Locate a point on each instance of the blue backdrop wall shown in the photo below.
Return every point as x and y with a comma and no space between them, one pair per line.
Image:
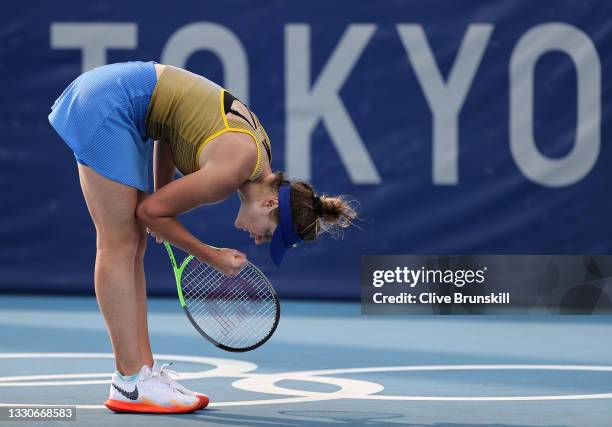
461,127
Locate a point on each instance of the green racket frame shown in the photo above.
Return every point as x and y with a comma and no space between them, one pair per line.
178,273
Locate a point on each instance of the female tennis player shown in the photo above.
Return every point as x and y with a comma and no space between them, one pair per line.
112,117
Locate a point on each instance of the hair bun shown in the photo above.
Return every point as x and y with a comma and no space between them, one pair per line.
337,211
314,215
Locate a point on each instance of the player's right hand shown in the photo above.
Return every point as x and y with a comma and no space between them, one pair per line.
228,261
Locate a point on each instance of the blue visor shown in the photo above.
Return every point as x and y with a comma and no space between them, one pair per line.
285,235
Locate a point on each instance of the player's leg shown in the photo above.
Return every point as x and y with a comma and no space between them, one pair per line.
141,307
112,207
144,344
123,301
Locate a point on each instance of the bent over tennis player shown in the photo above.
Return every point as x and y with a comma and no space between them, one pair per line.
112,117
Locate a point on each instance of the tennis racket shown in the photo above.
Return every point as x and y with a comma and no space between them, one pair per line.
237,313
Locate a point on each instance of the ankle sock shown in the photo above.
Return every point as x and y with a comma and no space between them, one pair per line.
128,378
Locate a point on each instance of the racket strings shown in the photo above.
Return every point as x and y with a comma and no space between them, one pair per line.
237,312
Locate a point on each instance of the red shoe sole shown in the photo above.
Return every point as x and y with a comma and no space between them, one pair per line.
125,407
203,400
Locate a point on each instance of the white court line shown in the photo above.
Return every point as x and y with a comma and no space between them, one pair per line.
266,383
221,368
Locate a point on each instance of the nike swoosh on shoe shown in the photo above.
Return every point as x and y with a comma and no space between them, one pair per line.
132,395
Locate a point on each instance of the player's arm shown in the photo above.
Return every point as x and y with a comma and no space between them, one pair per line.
163,165
229,164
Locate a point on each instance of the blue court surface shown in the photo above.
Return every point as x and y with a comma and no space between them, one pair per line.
326,365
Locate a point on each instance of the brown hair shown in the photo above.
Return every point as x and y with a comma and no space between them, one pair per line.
334,213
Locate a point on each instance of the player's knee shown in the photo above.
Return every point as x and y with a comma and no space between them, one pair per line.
123,243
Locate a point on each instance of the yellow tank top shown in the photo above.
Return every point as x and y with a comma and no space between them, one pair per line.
187,111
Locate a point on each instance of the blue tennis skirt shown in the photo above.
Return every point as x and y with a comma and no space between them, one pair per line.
101,117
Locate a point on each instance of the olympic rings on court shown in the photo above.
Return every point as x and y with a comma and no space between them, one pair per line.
248,380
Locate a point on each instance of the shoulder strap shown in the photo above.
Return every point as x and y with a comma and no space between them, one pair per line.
229,99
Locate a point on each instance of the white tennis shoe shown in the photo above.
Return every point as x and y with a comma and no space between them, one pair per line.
149,392
168,375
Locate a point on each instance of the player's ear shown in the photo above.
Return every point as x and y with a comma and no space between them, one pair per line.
270,202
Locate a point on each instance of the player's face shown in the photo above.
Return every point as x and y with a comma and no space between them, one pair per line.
254,218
